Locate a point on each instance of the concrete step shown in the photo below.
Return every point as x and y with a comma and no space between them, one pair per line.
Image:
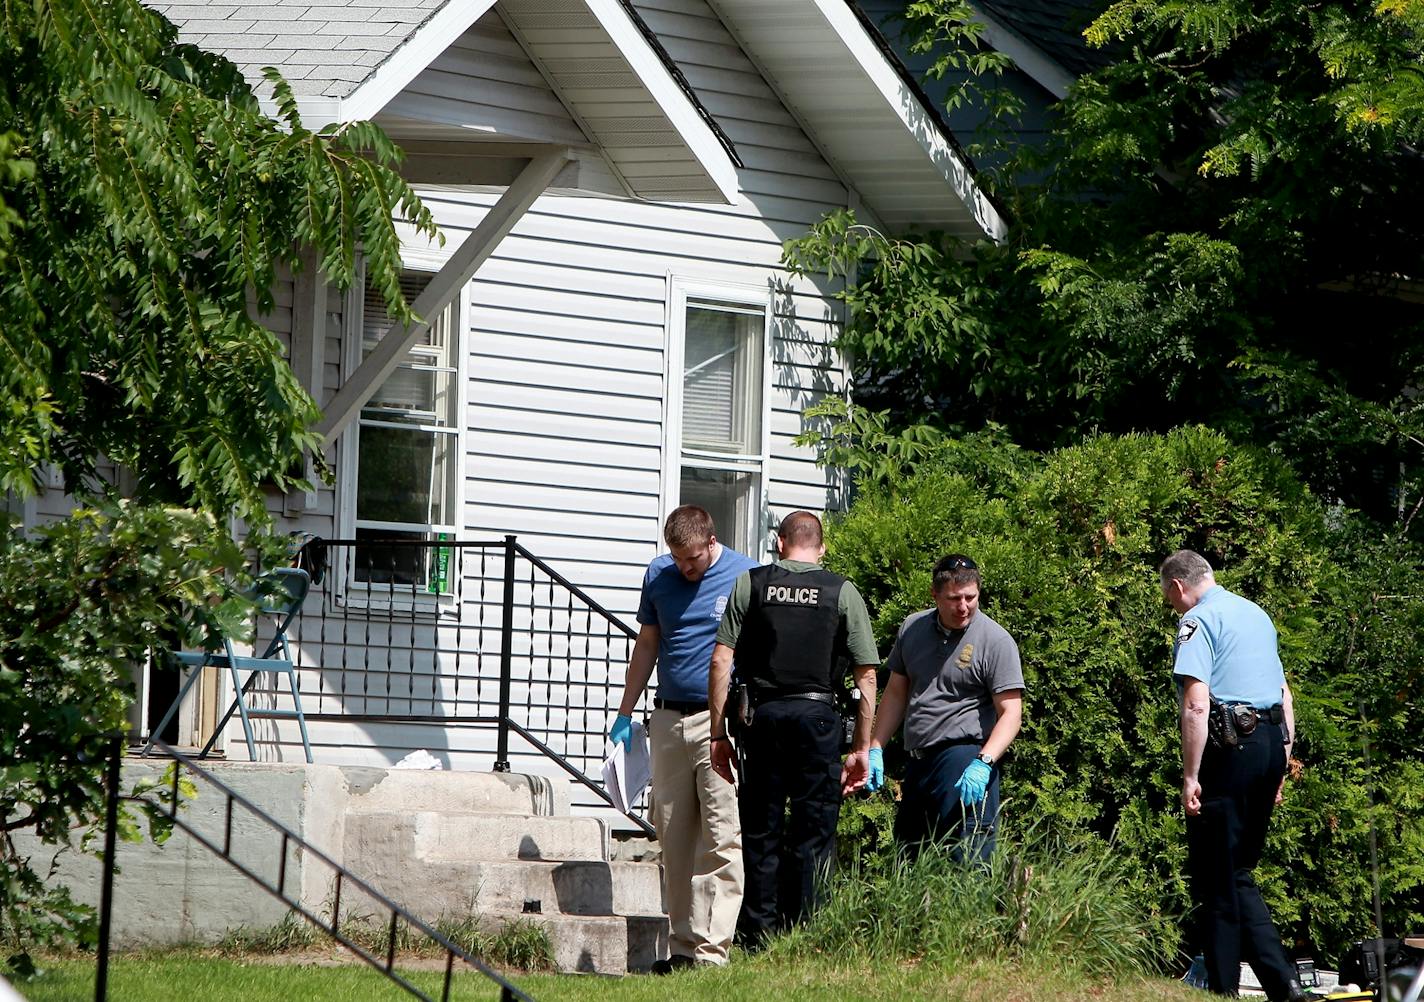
462,836
475,887
631,847
402,790
571,888
598,944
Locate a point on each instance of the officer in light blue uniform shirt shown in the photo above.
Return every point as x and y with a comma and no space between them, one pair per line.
1237,730
1229,643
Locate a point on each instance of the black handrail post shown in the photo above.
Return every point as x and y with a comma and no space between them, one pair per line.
506,656
106,893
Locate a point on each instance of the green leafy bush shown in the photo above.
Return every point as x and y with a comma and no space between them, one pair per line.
1069,543
87,598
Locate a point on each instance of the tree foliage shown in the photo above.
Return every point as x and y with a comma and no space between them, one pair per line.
147,209
156,206
1221,227
96,592
1069,542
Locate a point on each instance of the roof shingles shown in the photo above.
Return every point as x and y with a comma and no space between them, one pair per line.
1054,27
329,48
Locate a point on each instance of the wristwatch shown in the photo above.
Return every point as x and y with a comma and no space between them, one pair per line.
985,759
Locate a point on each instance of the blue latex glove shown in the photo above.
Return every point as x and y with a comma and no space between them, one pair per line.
974,784
876,779
621,733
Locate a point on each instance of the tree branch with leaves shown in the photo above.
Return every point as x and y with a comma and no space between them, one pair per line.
148,208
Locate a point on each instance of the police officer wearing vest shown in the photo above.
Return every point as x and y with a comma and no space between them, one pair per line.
1237,729
792,625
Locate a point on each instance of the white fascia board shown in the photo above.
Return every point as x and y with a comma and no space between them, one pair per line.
917,119
392,76
315,111
671,100
1026,56
420,50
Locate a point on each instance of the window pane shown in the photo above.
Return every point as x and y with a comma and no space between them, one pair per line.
376,322
732,498
422,396
407,567
406,475
422,388
722,392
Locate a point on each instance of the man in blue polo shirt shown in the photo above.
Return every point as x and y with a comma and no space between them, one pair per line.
684,594
1237,728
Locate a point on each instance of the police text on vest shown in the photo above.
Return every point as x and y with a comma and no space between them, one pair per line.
793,596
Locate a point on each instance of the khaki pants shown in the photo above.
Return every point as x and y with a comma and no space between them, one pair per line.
695,813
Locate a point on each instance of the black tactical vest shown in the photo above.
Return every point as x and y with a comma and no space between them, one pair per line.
792,637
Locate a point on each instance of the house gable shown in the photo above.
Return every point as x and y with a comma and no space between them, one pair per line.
867,118
350,63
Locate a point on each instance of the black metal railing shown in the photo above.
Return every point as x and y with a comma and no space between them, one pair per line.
285,843
480,640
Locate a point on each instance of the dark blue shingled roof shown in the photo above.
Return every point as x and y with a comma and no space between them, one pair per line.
1054,27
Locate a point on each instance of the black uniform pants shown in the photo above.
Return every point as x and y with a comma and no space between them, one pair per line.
790,755
1224,844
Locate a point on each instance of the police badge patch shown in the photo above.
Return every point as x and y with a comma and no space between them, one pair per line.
1187,630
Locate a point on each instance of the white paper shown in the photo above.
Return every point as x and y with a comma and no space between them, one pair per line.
419,759
626,773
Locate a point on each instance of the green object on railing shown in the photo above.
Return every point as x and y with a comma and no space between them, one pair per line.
440,568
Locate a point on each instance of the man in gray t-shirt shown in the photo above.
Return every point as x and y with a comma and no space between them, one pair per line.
957,683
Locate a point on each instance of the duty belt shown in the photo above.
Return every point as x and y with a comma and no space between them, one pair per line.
770,696
685,707
1270,715
1227,723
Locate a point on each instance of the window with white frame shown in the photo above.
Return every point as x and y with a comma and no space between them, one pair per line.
718,410
405,478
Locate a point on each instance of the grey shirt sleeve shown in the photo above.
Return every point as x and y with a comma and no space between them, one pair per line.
1002,668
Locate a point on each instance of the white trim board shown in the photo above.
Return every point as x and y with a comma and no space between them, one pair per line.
1040,68
832,75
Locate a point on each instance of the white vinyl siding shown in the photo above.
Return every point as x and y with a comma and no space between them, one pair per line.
567,339
569,377
484,81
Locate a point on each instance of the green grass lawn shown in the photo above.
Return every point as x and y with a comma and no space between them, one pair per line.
179,976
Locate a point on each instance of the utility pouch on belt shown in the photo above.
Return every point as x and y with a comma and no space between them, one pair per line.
1244,717
742,697
1221,725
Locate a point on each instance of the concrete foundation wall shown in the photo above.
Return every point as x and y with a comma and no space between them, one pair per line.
182,892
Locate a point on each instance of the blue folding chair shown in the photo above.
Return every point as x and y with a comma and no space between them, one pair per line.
279,594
